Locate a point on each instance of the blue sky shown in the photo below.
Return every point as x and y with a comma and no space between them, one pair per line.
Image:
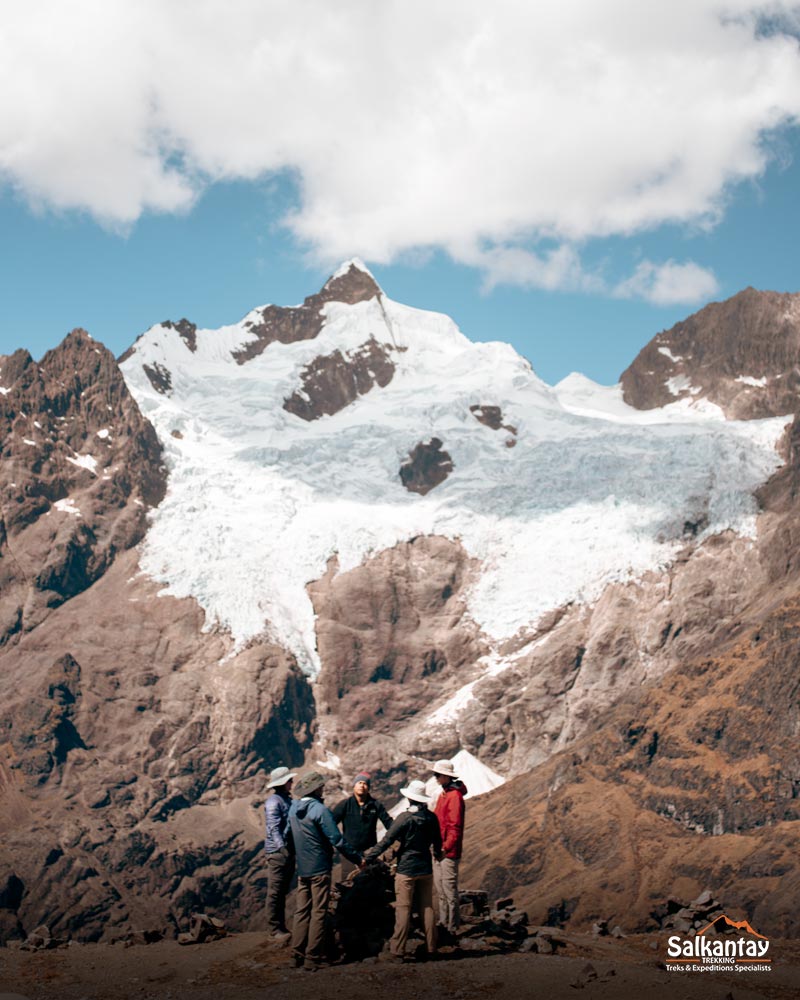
574,219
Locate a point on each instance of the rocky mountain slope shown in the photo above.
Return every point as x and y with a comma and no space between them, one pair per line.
342,533
742,354
690,784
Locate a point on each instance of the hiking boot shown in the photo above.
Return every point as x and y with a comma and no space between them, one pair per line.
390,958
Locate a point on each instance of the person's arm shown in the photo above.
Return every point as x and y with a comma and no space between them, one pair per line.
290,846
384,817
449,824
273,815
332,832
392,834
437,839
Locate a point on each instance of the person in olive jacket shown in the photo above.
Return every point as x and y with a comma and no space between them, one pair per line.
358,817
417,831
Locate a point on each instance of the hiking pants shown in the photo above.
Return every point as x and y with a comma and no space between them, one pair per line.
406,888
280,868
308,934
445,878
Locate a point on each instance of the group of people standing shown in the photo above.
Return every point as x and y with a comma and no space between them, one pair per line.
302,834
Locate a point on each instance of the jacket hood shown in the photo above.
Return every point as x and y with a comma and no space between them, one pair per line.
302,807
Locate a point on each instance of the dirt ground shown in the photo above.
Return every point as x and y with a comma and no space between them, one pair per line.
244,967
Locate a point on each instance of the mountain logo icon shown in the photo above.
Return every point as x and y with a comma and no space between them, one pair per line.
724,921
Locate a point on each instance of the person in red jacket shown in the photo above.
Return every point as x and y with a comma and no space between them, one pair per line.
449,811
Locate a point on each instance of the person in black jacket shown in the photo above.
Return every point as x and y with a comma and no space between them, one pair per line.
358,817
417,831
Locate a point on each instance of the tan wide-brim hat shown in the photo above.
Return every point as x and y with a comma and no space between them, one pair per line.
279,776
415,792
445,767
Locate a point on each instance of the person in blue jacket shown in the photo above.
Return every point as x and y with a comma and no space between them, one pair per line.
280,857
314,835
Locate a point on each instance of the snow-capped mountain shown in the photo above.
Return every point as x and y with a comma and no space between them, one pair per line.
388,424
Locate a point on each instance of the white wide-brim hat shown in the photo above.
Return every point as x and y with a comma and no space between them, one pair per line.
445,767
280,776
415,792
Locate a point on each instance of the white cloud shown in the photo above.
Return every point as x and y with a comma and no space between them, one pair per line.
558,268
665,284
668,284
409,125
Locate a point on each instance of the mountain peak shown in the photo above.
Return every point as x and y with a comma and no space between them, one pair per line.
350,283
742,354
354,263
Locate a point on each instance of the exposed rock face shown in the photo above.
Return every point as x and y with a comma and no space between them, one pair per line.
492,416
79,468
160,378
691,785
742,354
582,660
288,325
489,416
393,637
427,466
333,381
133,754
44,731
118,720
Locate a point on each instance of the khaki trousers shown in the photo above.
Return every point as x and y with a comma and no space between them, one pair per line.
406,888
445,878
308,933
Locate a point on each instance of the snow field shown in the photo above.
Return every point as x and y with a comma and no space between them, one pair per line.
259,500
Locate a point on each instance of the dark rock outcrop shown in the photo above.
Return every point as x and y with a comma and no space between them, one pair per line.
333,381
426,467
492,417
159,376
43,732
289,325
